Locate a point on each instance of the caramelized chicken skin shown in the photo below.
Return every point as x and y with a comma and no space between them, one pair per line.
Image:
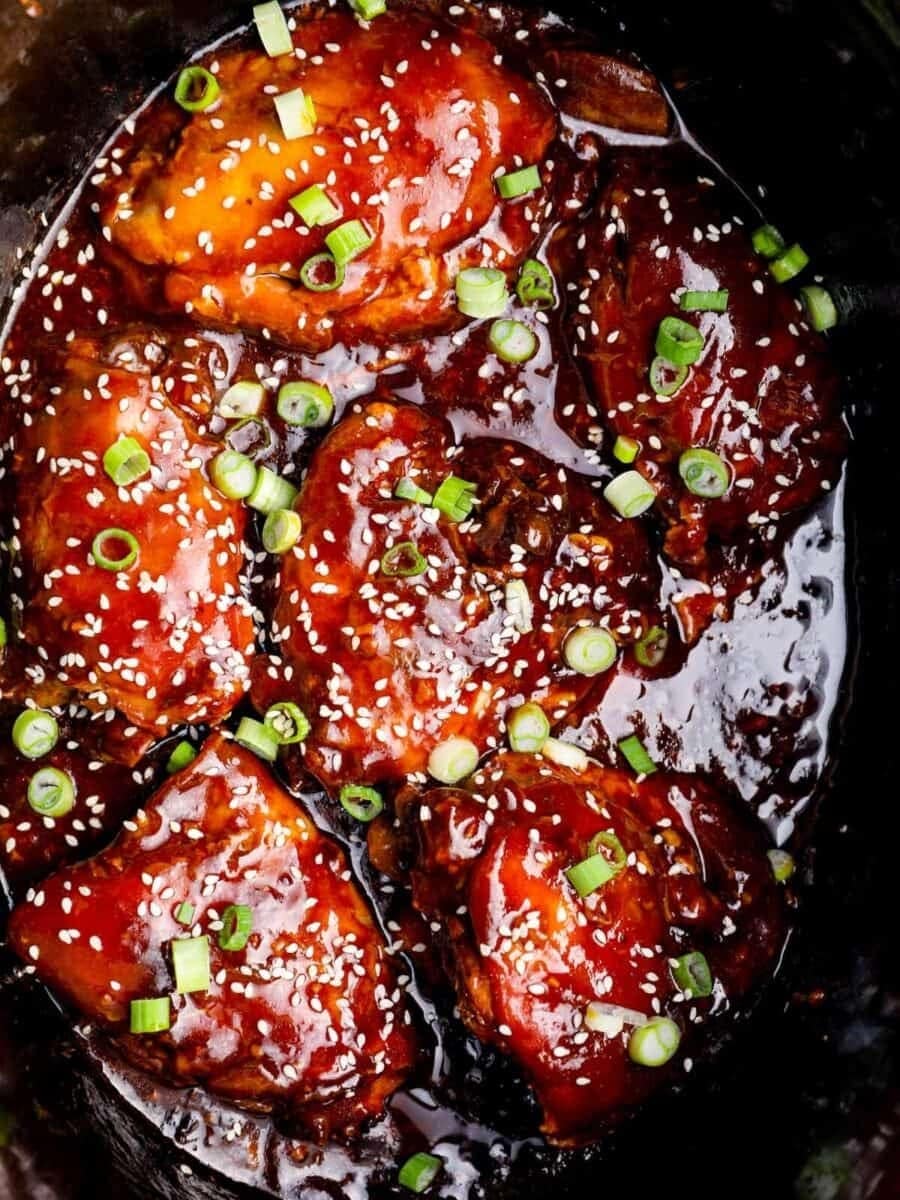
528,955
168,638
387,666
763,395
413,120
306,1019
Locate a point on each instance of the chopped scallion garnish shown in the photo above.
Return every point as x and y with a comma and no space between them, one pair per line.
182,756
273,29
118,542
626,450
419,1172
651,649
151,1016
692,975
589,650
481,292
767,241
820,308
255,736
704,301
297,114
453,760
51,792
519,605
348,241
302,402
281,531
635,754
35,732
534,286
653,1044
512,341
789,264
321,273
403,561
271,492
704,473
237,925
190,964
369,9
783,865
126,461
196,89
678,341
234,474
243,399
408,489
630,494
590,874
314,208
288,722
527,728
361,802
565,754
518,183
607,841
665,377
184,913
455,497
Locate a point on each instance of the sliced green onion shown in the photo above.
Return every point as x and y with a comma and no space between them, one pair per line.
590,650
767,241
288,722
626,450
196,89
590,874
151,1016
408,489
651,649
419,1172
361,802
7,1127
243,399
453,760
678,341
635,754
51,792
3,633
704,301
565,754
182,756
35,732
455,498
820,308
272,26
255,736
611,1019
126,461
534,286
234,474
314,208
789,264
783,865
312,269
665,377
368,9
606,840
348,241
302,402
512,341
653,1044
692,975
281,530
190,964
527,728
297,114
826,1173
184,913
519,605
271,492
113,539
403,561
237,925
518,183
481,292
249,436
704,473
630,494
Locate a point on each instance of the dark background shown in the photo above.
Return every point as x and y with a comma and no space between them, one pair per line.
802,97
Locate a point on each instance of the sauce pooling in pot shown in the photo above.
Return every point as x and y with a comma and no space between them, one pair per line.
176,275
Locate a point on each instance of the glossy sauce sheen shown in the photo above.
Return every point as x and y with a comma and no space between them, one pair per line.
155,237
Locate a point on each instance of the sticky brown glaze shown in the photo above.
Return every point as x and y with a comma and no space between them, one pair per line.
31,845
606,90
527,955
763,395
167,640
307,1020
414,119
386,667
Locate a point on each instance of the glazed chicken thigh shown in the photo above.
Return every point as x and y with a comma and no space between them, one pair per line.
303,1016
412,121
